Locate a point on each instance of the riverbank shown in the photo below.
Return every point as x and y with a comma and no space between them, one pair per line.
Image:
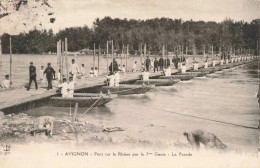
16,129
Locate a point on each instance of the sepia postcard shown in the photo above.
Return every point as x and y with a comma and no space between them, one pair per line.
129,83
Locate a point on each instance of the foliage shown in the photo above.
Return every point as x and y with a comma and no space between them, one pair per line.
154,32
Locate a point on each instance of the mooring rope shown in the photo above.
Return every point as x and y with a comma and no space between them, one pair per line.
223,122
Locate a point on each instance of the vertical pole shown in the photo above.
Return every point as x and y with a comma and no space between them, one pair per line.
144,49
1,59
204,50
66,57
257,48
181,51
98,57
163,54
107,57
112,57
212,52
193,49
186,51
141,46
165,51
10,59
127,50
60,57
122,56
94,55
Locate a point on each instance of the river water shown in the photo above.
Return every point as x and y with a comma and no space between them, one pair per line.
227,96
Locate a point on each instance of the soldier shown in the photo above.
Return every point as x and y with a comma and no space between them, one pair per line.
50,75
161,63
74,70
6,83
156,63
114,67
147,63
32,75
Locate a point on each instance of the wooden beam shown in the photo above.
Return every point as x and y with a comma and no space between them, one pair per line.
112,57
98,57
1,57
66,58
107,57
94,53
127,52
11,59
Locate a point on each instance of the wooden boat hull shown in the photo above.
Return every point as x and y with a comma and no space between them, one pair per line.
82,101
159,82
227,66
181,77
209,70
217,68
194,74
127,89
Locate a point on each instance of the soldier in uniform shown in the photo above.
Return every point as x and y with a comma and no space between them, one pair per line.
161,63
32,75
147,63
155,66
50,75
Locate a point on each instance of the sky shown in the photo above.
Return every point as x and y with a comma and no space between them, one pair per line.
74,13
83,12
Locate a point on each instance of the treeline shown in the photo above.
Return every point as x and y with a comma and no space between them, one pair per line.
154,32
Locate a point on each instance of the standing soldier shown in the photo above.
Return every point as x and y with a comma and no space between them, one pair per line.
147,63
32,75
74,70
50,74
161,63
167,63
156,63
113,67
134,66
176,61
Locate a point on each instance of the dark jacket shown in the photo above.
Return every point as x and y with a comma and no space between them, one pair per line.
156,63
147,62
176,60
161,62
183,59
32,71
167,62
115,66
50,73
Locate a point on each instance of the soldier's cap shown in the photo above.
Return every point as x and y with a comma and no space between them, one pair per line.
31,62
